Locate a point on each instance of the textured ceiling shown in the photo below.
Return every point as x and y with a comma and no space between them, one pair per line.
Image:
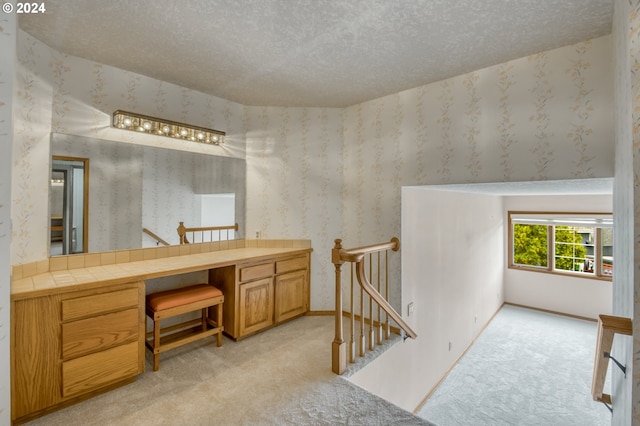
329,53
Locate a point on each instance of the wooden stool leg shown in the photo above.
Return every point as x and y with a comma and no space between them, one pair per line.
156,344
219,322
204,319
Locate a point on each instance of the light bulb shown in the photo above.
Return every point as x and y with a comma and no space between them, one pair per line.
166,128
200,135
127,121
215,138
146,125
183,132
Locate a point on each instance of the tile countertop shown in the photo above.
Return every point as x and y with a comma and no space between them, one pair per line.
120,273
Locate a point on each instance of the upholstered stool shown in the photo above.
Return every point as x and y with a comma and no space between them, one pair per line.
166,304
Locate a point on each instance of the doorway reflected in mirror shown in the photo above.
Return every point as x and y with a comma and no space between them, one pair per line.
68,205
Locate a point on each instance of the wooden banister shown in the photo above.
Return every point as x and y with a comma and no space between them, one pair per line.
356,254
183,230
357,257
608,326
154,236
377,297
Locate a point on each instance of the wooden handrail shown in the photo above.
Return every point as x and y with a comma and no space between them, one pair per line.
357,256
158,239
182,230
608,326
371,291
212,228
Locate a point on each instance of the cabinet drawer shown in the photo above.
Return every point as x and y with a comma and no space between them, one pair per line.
98,333
102,368
289,265
254,272
100,303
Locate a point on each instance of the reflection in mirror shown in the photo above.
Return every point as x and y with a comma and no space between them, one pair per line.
134,187
218,210
68,205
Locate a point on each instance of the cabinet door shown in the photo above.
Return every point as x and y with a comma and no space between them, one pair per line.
35,341
291,295
256,305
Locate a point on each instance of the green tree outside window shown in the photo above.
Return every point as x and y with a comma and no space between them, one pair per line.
530,245
570,254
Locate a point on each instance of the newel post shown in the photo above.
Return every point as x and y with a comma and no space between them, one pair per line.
182,233
339,348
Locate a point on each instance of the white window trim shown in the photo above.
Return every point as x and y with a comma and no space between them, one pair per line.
550,219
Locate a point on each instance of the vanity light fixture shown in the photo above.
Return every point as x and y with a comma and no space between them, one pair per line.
157,126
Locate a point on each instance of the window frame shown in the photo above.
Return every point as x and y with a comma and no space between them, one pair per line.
550,268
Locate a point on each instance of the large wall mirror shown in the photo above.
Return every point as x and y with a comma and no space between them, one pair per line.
131,187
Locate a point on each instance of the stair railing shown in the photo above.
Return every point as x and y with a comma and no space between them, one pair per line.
206,234
608,326
378,316
155,237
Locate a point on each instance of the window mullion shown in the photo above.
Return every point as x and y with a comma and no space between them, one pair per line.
597,252
551,248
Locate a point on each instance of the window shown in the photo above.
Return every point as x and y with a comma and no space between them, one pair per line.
530,243
579,244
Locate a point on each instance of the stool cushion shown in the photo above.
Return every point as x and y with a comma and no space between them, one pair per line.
181,296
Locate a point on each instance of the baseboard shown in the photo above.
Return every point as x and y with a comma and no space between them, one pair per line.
394,329
446,373
551,312
320,313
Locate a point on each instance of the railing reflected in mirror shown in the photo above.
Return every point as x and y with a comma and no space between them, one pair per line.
134,187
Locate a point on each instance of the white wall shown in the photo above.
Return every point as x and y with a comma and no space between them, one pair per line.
452,271
570,295
217,209
8,26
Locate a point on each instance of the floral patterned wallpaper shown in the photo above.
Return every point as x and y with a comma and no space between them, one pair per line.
8,27
546,116
335,173
323,173
294,184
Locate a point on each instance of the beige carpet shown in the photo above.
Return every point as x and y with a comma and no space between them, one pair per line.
527,368
279,377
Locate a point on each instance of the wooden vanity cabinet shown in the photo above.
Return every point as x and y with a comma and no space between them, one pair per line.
263,293
69,346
